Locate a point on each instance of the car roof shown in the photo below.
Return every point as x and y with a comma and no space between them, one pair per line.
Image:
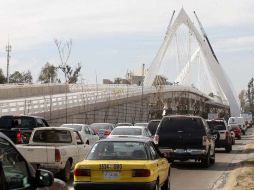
102,124
53,128
74,124
130,127
186,116
124,139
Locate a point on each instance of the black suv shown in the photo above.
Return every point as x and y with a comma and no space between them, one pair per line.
19,128
223,138
181,137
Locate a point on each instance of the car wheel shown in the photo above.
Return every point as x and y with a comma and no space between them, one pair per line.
66,172
166,185
157,186
228,148
206,161
212,159
239,137
243,132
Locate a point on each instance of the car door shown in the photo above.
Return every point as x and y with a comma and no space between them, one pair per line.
15,170
162,163
81,147
93,136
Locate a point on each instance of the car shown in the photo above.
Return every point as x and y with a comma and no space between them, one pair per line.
124,124
137,131
19,128
57,149
232,121
123,163
182,137
17,173
236,130
141,124
102,129
87,134
152,125
223,138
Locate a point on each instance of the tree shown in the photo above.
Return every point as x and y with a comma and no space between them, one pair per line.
2,77
27,77
250,95
64,50
242,98
16,77
48,73
160,80
24,77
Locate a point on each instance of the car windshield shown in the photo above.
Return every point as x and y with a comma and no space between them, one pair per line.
218,125
98,126
127,131
118,150
52,136
75,127
152,126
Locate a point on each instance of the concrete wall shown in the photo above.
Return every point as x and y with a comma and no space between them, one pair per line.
25,91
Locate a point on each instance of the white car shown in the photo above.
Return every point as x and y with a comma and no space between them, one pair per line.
87,134
57,149
129,131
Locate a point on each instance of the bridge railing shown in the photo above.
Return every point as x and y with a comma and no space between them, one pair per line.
81,96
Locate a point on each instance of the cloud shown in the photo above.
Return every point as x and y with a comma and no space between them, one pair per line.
30,22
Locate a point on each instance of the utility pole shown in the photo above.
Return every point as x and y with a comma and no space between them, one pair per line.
8,50
142,88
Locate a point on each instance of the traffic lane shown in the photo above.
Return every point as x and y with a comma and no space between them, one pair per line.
191,175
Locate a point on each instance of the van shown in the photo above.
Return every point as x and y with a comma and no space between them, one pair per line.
239,121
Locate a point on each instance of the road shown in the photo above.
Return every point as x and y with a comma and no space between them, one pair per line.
191,176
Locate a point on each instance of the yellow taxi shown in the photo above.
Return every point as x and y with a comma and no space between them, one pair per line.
123,164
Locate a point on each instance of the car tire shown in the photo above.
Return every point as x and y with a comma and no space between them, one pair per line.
239,137
233,141
65,174
228,148
212,159
243,132
157,186
205,162
166,185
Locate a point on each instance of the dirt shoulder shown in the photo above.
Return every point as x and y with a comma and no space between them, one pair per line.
242,178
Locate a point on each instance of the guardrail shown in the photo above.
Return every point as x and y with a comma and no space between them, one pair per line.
81,95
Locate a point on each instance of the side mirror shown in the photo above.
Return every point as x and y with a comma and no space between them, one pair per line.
44,178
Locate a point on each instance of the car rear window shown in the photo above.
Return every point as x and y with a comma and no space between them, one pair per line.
218,125
97,127
126,131
183,124
152,126
75,127
52,136
17,122
118,150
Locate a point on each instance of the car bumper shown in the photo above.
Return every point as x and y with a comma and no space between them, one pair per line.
114,186
185,154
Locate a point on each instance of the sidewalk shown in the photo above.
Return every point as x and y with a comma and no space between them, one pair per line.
242,178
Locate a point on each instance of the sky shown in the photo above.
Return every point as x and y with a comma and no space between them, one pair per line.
112,36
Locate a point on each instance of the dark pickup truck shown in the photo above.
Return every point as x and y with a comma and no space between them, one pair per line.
182,138
19,128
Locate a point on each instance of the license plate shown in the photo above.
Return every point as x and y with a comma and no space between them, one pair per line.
111,175
179,151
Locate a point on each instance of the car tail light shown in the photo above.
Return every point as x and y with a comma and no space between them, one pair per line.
57,155
205,139
82,172
141,173
156,139
107,132
18,137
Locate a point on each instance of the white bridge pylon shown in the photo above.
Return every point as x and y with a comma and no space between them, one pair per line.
217,78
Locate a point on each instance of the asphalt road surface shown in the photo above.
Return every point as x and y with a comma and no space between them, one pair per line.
191,176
